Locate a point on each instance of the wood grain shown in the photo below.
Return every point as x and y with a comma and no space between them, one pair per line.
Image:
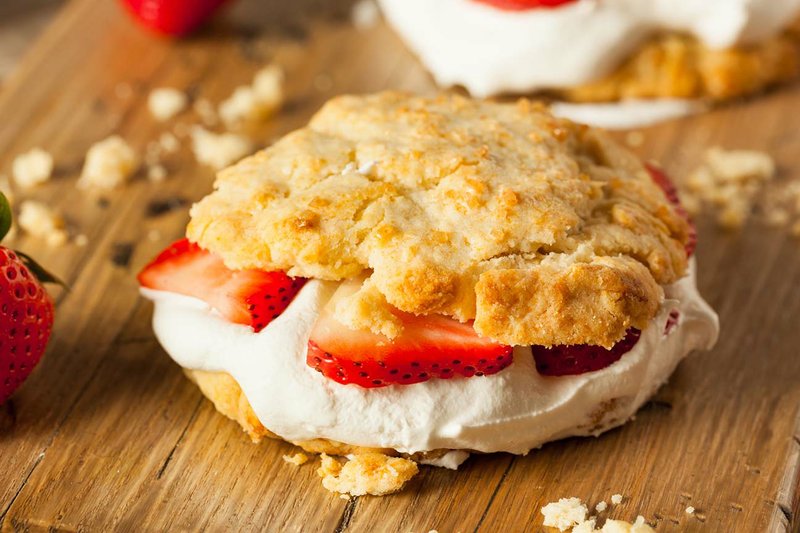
109,435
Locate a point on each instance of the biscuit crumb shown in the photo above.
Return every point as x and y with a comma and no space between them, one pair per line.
38,220
621,526
364,14
257,101
168,142
81,240
565,513
570,514
32,168
367,473
156,173
218,150
153,235
690,510
585,527
109,164
205,110
296,459
729,182
600,507
616,499
165,103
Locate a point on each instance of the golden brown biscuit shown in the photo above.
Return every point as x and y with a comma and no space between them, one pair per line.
448,204
679,66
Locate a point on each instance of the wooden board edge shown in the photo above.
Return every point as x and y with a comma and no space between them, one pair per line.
786,513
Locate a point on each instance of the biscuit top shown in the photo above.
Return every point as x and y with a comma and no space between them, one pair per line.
541,230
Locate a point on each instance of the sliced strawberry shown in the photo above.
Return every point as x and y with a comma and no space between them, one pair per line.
522,5
671,192
572,360
251,297
429,347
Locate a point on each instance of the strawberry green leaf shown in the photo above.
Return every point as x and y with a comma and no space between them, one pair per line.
38,270
5,216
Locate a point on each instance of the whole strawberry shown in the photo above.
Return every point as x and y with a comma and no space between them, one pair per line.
26,312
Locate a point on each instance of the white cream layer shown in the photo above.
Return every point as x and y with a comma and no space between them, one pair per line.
490,51
514,411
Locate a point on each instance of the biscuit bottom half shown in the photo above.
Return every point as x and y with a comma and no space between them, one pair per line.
679,66
374,471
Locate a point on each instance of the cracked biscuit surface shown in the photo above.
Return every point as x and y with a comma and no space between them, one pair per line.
541,230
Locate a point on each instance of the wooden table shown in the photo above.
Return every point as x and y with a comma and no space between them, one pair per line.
109,435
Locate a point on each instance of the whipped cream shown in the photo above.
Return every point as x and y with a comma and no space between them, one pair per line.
514,410
489,50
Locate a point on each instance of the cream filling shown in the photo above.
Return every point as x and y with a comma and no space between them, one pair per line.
489,50
512,411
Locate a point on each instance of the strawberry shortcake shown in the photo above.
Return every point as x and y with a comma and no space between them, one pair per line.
604,50
415,279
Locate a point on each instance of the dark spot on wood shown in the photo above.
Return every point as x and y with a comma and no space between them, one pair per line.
103,202
160,207
121,253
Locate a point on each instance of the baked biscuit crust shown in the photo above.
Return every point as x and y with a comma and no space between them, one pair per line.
449,205
679,66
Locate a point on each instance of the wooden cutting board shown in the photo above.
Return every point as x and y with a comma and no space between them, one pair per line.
109,435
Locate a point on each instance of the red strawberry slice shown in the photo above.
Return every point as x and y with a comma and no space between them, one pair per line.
251,297
173,17
429,347
573,360
521,5
671,192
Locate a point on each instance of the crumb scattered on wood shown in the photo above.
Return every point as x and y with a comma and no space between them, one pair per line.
218,150
367,473
257,101
728,183
570,514
165,103
38,220
32,168
296,459
109,164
